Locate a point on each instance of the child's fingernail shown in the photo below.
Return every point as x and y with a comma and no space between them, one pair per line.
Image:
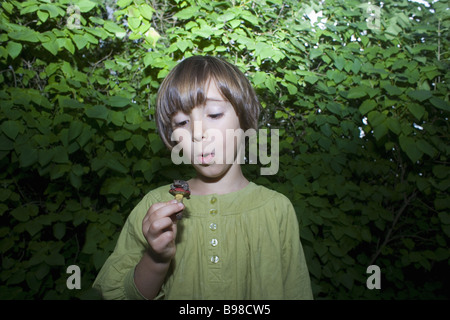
173,201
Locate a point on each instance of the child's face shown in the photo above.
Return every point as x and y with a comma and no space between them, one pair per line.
205,131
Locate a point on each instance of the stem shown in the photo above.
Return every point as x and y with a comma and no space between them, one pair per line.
406,202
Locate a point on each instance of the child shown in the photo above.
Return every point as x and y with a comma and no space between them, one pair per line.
236,240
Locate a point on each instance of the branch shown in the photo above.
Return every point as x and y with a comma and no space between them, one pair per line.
406,203
94,66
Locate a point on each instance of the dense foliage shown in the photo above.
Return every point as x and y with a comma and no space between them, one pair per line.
359,94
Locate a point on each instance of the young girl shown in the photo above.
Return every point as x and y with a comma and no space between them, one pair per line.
237,240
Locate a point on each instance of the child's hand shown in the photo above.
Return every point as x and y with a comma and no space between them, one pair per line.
160,229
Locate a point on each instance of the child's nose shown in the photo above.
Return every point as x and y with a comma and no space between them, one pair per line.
198,133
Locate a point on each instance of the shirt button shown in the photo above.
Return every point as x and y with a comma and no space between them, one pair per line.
213,211
214,242
213,200
215,259
213,226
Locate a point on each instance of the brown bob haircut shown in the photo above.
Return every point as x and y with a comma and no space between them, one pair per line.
186,87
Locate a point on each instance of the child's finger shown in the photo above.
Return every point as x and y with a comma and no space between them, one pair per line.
159,205
161,225
163,242
152,226
166,211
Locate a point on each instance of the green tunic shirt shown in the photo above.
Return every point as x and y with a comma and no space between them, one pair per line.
240,245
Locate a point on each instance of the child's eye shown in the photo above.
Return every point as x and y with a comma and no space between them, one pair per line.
180,124
216,115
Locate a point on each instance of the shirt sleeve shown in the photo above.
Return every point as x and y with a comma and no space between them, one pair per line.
116,278
297,283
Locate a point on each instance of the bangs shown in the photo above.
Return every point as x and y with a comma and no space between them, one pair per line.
186,87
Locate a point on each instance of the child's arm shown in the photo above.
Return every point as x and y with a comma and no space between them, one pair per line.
160,229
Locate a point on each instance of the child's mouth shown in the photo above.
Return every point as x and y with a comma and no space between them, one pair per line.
206,158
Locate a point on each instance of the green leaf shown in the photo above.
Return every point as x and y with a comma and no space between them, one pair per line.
98,112
11,128
120,135
59,230
227,16
33,227
115,29
52,9
117,118
28,157
117,101
420,95
440,171
425,147
6,144
13,49
311,79
336,76
442,204
393,90
55,259
184,44
380,130
138,141
124,3
365,235
42,15
51,46
133,116
8,7
264,50
45,156
60,155
394,125
246,15
376,118
68,44
148,59
335,108
270,84
116,165
80,41
318,202
393,29
339,62
24,35
444,217
280,114
356,66
66,102
22,214
409,147
133,23
75,129
357,92
314,53
320,248
292,89
259,78
441,104
85,5
417,110
188,13
146,11
366,106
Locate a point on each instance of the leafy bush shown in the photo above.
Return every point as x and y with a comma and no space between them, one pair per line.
362,111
